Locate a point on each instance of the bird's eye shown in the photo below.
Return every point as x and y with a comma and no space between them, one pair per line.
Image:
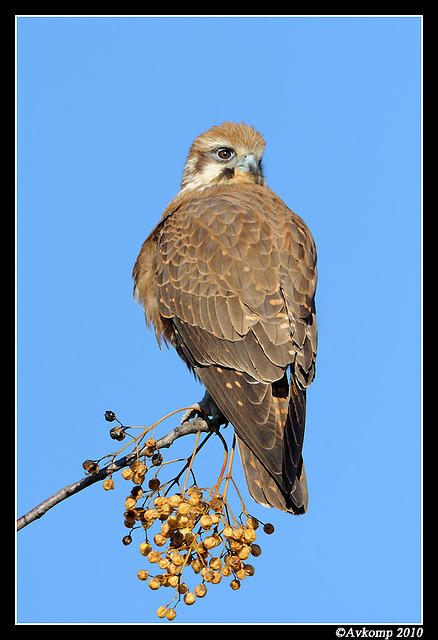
225,153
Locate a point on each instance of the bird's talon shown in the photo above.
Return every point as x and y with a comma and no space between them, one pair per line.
216,423
190,413
208,411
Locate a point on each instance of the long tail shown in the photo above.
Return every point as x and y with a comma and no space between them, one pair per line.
264,490
286,491
268,419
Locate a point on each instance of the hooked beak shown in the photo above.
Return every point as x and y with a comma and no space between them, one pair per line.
248,164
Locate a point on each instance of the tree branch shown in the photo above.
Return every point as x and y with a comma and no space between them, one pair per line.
197,424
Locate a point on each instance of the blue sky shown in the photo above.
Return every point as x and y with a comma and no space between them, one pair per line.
106,111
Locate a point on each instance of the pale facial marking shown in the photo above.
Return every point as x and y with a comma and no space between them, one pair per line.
223,155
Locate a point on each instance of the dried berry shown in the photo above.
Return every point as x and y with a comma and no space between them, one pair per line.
154,583
160,540
200,590
183,508
206,521
127,473
145,548
157,459
90,466
252,523
154,484
136,492
117,433
210,542
249,535
189,598
154,556
175,501
216,503
130,502
108,484
142,574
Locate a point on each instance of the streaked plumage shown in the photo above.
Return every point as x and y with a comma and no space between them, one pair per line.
228,277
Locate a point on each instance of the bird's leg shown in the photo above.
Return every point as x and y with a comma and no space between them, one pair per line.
207,409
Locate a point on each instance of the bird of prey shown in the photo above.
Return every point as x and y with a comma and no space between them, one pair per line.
228,277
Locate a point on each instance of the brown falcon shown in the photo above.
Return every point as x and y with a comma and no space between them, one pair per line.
228,277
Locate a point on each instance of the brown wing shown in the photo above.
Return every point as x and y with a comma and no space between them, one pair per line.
235,279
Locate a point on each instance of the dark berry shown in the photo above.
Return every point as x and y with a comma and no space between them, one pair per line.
117,433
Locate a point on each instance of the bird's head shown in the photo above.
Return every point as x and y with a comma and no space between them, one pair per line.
225,154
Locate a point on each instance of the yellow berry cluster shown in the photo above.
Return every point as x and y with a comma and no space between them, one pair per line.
196,533
196,530
193,531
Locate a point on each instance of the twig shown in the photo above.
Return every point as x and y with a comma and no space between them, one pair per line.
197,425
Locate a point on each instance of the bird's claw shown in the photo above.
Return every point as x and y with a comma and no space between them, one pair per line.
191,413
208,411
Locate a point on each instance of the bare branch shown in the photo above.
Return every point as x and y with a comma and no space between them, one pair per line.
198,424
